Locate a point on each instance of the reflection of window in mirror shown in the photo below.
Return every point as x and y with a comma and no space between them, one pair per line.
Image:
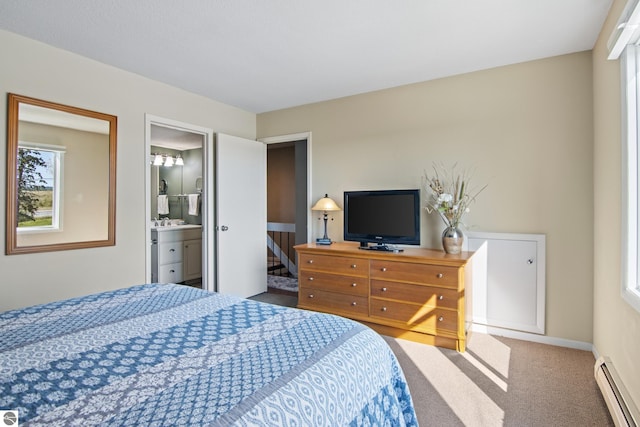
61,163
40,172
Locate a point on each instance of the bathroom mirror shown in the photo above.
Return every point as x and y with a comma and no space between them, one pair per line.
61,177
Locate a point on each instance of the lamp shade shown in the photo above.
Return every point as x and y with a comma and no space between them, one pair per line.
326,204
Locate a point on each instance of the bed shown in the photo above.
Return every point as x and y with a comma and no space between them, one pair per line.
160,355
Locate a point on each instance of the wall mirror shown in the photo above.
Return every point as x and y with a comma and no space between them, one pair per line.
61,177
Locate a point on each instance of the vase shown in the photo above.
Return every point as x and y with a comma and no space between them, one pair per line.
452,239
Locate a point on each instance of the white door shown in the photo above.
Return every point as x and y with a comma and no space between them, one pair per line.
241,216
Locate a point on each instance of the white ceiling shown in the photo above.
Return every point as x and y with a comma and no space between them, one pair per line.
263,55
175,139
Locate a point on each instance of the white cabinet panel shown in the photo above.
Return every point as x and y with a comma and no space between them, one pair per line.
192,265
512,295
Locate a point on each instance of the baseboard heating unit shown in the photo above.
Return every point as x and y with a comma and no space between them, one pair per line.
622,409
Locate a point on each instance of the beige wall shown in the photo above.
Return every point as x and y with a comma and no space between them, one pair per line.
527,131
33,69
616,326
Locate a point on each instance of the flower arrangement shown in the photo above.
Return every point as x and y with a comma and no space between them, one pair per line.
450,193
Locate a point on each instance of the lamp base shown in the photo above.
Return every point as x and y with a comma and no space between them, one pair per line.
322,241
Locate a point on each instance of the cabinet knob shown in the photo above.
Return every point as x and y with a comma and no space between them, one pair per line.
354,285
384,309
440,297
310,295
439,275
353,266
384,289
529,261
353,303
383,269
311,279
172,271
440,319
310,261
172,250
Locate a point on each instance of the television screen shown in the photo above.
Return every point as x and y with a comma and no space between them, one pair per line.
382,217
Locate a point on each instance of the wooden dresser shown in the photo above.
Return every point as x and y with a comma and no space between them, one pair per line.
419,294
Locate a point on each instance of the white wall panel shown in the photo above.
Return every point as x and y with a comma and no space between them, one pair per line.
512,295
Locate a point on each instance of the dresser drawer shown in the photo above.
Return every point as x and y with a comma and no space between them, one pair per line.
416,317
349,285
332,302
416,273
334,264
418,294
170,273
169,253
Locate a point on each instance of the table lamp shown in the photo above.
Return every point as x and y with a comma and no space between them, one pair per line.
325,204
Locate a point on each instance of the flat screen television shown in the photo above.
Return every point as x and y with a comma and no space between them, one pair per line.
383,217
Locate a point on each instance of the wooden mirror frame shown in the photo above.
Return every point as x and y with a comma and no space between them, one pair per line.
12,246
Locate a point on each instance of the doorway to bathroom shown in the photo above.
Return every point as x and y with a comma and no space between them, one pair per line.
176,209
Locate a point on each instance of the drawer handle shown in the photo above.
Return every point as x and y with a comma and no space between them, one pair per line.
440,319
353,285
353,266
310,261
440,297
172,271
384,289
354,303
310,295
439,275
384,308
172,250
311,279
383,269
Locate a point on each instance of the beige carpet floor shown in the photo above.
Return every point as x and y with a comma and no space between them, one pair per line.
496,382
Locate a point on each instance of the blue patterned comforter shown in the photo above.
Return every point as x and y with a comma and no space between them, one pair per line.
165,355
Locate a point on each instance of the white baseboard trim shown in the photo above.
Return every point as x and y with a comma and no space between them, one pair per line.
526,336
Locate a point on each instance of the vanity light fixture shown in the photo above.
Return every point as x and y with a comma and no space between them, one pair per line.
158,159
326,204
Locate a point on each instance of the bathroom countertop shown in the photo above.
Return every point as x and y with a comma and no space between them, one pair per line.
176,227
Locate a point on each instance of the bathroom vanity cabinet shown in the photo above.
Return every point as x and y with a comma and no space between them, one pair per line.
176,254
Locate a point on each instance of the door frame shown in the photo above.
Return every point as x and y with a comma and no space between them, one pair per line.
208,200
292,138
